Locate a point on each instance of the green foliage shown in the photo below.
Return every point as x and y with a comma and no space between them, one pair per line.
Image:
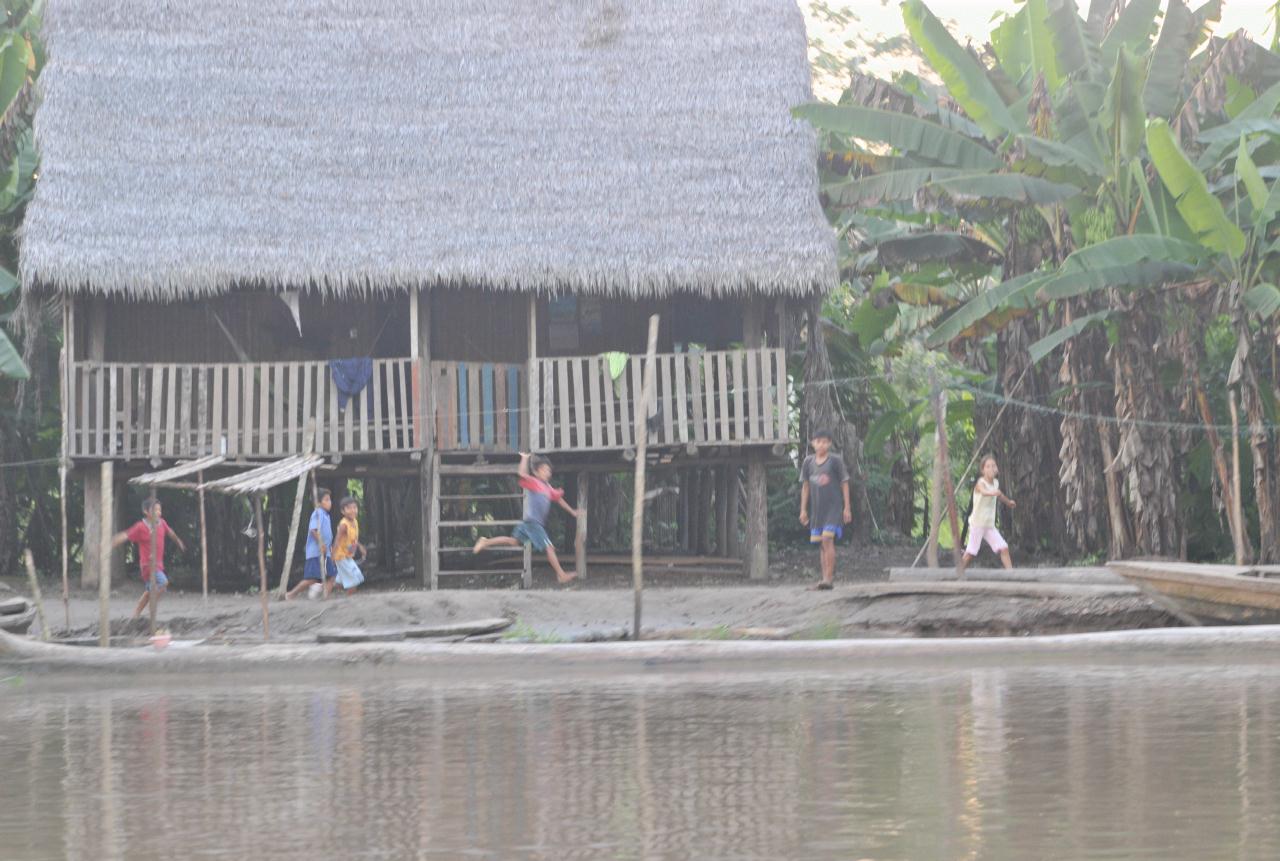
1202,212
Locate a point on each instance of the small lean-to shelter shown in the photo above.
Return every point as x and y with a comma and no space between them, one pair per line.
434,229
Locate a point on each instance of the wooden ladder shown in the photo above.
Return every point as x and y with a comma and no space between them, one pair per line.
489,511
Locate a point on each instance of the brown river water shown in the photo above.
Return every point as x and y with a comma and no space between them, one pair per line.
1032,762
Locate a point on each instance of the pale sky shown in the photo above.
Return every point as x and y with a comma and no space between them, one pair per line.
870,21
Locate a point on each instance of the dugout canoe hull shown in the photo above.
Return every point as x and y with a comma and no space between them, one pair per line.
1209,594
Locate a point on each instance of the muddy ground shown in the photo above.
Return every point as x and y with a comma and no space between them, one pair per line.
717,606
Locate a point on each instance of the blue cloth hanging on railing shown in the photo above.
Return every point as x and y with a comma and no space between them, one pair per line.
350,377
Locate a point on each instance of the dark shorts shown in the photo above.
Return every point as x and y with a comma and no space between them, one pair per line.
311,569
534,534
818,533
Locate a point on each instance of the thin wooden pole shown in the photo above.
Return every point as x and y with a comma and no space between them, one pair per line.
262,565
935,487
35,593
1237,520
155,566
642,441
947,488
580,535
62,504
308,446
204,542
106,520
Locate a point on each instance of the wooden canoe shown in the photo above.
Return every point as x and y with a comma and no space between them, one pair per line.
1209,594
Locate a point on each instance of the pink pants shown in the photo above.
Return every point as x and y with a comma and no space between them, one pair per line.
992,535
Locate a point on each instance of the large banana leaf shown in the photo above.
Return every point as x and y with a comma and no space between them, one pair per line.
1017,295
1225,136
1262,299
1254,185
8,283
1060,154
1058,337
1013,187
1178,38
16,62
967,81
11,364
1132,29
1078,51
1141,260
1024,44
1231,132
909,135
1202,212
893,185
1122,107
1100,12
929,247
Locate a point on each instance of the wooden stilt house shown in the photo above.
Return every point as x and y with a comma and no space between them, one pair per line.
434,230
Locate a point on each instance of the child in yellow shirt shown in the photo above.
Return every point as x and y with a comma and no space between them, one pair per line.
345,546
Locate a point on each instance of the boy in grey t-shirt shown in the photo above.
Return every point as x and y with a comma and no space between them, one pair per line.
824,491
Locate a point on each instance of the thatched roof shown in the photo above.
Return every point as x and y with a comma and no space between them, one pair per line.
625,146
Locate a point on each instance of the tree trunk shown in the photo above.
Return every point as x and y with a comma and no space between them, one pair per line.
1243,375
1081,465
1145,456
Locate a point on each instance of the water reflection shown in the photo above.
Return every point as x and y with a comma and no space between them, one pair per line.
1177,762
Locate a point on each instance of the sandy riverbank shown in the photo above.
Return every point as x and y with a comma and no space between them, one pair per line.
879,609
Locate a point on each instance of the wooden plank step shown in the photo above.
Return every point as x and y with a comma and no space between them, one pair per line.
461,523
480,572
478,469
490,550
471,496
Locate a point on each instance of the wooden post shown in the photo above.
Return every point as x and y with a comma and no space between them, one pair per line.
35,593
734,548
204,541
62,504
935,486
308,446
942,468
106,518
1237,519
91,561
757,517
531,372
722,510
642,441
155,540
425,551
580,538
262,564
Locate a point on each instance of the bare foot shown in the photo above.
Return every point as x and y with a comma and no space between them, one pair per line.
567,578
821,586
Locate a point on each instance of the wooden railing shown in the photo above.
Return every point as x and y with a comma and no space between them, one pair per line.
479,406
732,397
170,411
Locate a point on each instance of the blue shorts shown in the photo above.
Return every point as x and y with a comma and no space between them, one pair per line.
311,569
157,582
534,534
820,532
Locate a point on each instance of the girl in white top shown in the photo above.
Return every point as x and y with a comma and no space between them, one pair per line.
982,520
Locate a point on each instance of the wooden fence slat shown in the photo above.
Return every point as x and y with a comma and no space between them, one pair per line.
696,361
248,392
233,411
594,394
349,432
113,405
780,362
626,427
157,404
85,383
667,401
100,409
754,429
738,393
417,410
126,411
402,414
513,407
474,405
639,409
185,394
612,434
261,377
580,401
277,403
499,417
722,384
464,407
142,411
487,404
564,399
681,370
454,413
218,431
548,422
709,392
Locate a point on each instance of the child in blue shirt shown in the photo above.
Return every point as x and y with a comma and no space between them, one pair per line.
319,541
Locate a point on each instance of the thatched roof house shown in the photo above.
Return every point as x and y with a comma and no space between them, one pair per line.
630,147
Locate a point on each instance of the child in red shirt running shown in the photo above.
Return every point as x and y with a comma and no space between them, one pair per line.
538,496
154,581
